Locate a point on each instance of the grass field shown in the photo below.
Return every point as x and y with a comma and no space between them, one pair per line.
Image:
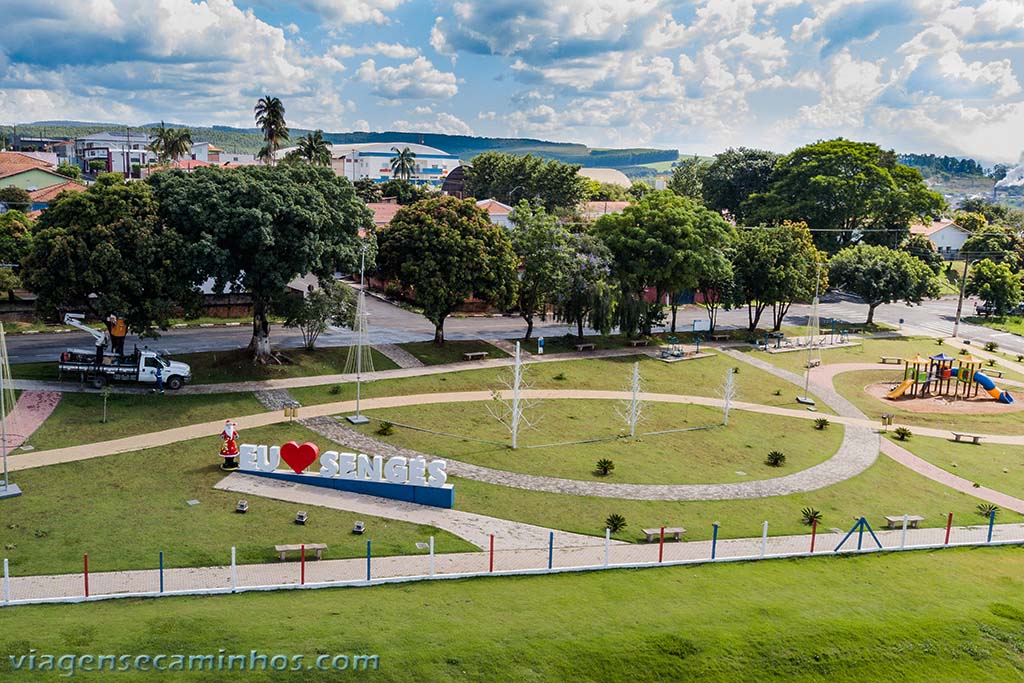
886,488
450,352
993,465
124,509
951,615
704,456
77,419
1013,324
851,385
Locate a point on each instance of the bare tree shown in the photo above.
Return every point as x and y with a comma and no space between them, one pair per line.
632,410
511,411
728,392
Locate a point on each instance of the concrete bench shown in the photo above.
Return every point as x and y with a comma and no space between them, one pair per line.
719,337
891,360
991,371
586,347
637,342
474,355
283,550
896,522
960,436
675,532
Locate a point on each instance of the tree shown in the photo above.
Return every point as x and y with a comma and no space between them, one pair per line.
16,198
369,191
996,243
97,165
255,228
664,242
922,247
716,288
69,170
733,176
314,311
405,192
638,189
996,284
607,192
269,112
313,149
403,163
688,178
447,250
106,251
970,221
15,236
542,246
846,192
881,275
510,177
587,296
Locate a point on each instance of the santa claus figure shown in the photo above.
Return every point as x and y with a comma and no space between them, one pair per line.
229,451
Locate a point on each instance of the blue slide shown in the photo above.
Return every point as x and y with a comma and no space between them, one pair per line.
990,387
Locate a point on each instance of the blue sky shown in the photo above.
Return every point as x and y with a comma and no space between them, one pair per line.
917,75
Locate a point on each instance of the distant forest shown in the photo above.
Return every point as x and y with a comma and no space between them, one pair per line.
930,164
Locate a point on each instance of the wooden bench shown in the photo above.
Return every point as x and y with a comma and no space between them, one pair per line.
719,337
586,347
474,355
960,436
283,550
893,360
896,522
637,342
675,532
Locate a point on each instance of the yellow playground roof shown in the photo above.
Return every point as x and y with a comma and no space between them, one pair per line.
917,360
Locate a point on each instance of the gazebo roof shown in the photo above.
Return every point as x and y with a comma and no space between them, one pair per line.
943,357
916,360
969,359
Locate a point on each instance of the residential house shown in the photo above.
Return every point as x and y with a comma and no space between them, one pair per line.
499,213
120,152
214,156
42,197
947,237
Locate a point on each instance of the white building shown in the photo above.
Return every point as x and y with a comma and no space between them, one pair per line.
372,160
119,151
499,213
205,151
947,236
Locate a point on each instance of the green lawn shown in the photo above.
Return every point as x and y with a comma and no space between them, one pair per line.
567,343
698,377
916,617
886,488
1013,324
124,509
78,417
451,351
993,465
851,385
705,456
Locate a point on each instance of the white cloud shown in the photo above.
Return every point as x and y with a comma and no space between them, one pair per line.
444,123
391,50
418,79
350,11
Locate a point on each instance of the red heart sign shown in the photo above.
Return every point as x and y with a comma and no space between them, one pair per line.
299,457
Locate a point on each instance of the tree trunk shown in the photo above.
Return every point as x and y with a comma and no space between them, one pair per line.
675,308
754,315
871,313
779,311
260,343
439,332
529,327
579,327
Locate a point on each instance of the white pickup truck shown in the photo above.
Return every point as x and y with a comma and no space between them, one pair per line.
139,366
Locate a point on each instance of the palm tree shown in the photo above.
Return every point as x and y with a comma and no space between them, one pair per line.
314,149
403,163
269,113
159,144
178,143
265,154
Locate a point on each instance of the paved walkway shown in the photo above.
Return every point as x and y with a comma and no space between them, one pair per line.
400,356
29,413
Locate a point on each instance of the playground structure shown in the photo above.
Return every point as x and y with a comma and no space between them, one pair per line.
937,376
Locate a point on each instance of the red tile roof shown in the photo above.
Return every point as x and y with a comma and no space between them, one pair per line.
16,162
929,230
189,164
383,212
494,208
48,194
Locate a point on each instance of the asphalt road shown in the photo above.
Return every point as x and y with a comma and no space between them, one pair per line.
390,324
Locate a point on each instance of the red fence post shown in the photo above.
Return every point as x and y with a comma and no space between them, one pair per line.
949,525
85,572
661,545
491,569
302,564
814,532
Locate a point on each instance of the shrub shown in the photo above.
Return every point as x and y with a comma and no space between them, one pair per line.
809,516
1020,358
991,362
991,346
559,377
604,467
386,428
778,392
335,390
821,423
775,459
987,510
615,523
939,341
736,371
902,433
963,352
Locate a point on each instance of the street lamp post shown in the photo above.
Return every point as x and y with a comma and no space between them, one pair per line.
960,301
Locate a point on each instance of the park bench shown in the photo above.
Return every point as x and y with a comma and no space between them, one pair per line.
960,436
586,347
675,532
283,550
991,371
637,342
896,522
474,355
893,360
719,337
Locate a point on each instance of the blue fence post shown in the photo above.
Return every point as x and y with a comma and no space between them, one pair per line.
551,548
161,571
368,560
860,533
714,539
991,523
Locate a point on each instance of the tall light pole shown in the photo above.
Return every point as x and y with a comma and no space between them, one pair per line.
960,300
360,325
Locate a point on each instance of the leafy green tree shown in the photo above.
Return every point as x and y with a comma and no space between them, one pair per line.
313,149
403,163
995,214
312,313
510,177
881,275
664,241
16,198
688,178
588,293
846,192
607,192
447,250
716,287
997,243
106,251
369,191
269,112
922,247
171,144
405,192
996,284
97,166
970,220
733,176
69,170
542,246
15,236
255,228
638,189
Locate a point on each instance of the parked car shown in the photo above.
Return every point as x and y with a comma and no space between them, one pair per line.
985,310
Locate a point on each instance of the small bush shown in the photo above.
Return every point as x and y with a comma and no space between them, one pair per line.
991,362
736,371
775,459
991,346
821,423
1020,358
809,516
987,510
902,433
939,341
778,392
604,467
560,377
615,523
335,390
963,352
386,428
